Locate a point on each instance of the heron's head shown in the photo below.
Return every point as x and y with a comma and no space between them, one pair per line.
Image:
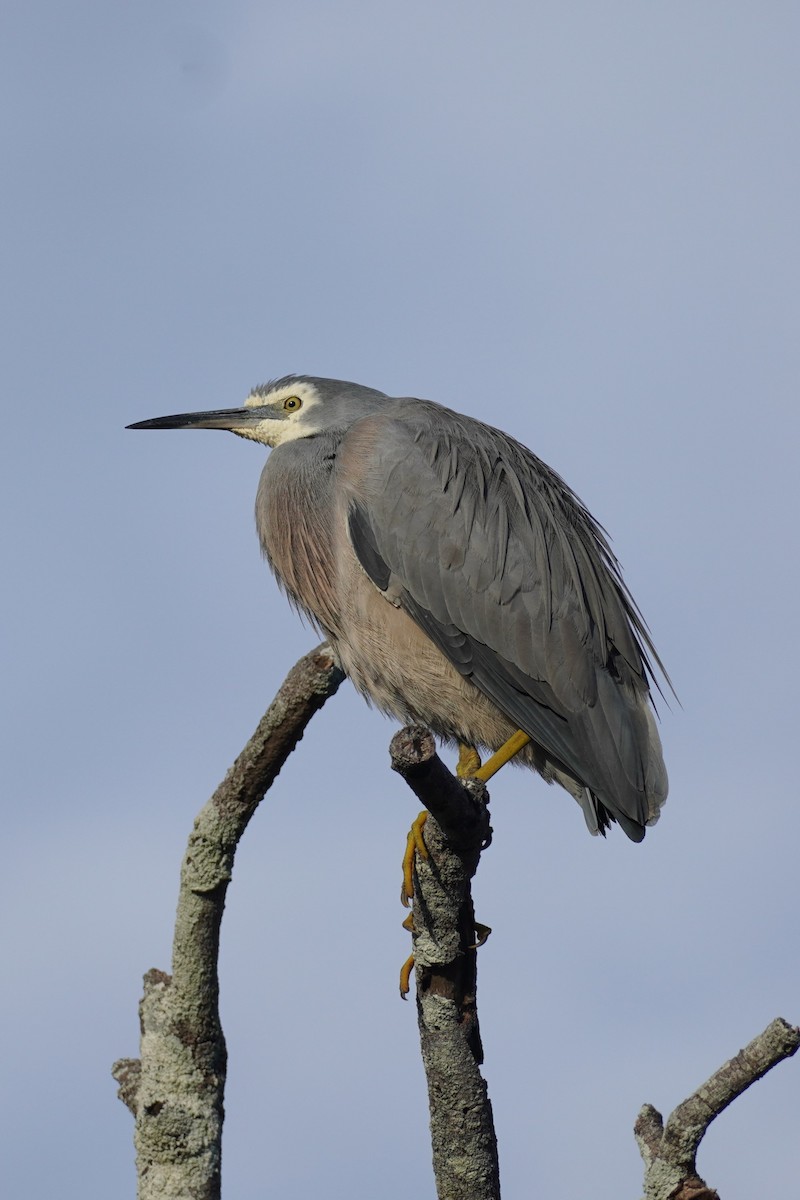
296,406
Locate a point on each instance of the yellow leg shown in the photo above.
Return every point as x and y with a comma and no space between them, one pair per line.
414,845
515,743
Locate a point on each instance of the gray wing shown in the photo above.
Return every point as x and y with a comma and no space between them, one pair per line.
504,569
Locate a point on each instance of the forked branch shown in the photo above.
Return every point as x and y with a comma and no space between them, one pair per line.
669,1150
175,1089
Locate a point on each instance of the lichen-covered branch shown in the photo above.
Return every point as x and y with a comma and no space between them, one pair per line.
669,1150
175,1089
462,1128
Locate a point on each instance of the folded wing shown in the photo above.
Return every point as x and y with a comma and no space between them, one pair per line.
504,569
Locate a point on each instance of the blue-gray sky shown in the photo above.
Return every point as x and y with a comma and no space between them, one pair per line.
577,221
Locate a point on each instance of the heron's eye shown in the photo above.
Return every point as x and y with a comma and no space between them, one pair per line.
292,403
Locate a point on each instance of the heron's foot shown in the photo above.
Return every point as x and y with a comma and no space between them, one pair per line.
481,934
405,977
469,766
414,845
515,743
468,761
408,965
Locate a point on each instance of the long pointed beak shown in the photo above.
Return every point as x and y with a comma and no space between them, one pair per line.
232,419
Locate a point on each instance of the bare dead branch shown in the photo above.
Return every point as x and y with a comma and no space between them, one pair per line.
462,1127
670,1151
175,1090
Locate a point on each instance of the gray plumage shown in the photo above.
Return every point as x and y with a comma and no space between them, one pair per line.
462,583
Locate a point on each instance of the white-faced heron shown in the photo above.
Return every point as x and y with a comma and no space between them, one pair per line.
462,584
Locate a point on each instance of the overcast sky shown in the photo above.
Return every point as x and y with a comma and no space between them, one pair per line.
577,221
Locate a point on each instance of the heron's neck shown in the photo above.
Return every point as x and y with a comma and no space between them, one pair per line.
294,518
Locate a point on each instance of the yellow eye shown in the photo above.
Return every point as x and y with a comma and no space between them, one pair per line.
292,403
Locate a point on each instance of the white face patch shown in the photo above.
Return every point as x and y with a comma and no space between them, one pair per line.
289,425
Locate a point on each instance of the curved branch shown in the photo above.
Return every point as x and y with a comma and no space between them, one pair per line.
670,1151
175,1090
462,1127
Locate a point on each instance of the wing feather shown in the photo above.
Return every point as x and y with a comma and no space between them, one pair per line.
505,570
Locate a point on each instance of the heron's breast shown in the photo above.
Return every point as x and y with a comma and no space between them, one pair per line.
398,668
295,529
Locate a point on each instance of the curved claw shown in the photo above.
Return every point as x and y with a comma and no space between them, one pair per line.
481,934
414,845
405,977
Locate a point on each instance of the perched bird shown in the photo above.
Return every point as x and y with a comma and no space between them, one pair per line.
463,585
